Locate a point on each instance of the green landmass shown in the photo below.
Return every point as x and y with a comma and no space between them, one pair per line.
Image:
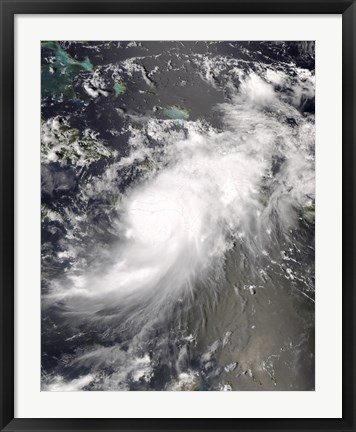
63,144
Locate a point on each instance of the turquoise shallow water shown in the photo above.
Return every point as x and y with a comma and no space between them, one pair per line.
57,78
119,88
176,113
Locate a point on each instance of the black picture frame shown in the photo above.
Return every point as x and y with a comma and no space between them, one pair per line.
8,10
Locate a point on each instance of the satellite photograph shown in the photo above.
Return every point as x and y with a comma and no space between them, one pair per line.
177,215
